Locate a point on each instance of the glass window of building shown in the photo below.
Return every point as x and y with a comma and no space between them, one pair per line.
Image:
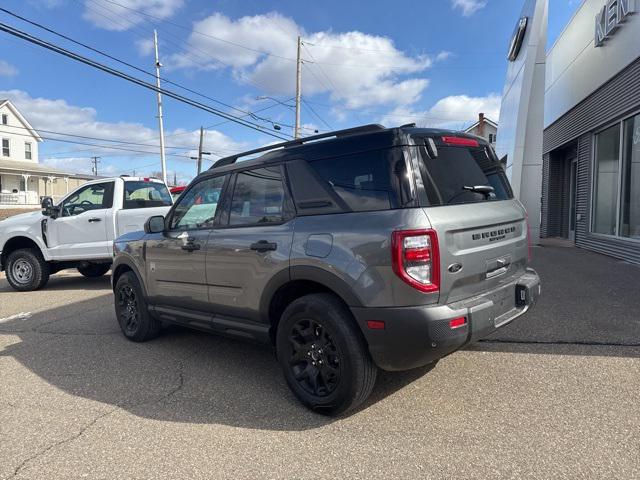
606,173
630,199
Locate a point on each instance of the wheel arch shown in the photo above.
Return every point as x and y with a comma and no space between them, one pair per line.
18,242
123,265
289,285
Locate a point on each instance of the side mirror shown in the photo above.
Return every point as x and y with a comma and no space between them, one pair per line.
154,224
48,208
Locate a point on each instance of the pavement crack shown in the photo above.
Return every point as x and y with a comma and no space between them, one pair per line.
26,461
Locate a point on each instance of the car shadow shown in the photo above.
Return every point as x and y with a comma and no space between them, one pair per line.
182,376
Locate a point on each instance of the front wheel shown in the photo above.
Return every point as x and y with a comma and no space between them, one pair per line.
323,354
94,270
27,270
132,312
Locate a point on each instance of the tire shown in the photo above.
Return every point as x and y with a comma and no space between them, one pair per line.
132,311
319,330
94,270
27,270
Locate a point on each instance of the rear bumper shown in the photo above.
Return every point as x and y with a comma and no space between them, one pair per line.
416,336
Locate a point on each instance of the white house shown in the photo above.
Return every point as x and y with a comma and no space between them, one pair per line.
23,180
485,128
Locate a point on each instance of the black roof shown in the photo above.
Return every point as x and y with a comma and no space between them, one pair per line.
340,142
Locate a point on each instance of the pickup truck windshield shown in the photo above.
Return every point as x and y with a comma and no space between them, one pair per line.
463,175
138,194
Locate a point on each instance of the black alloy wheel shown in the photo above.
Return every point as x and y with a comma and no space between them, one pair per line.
315,359
128,309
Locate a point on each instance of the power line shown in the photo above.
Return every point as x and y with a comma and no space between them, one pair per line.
117,73
134,67
111,147
316,114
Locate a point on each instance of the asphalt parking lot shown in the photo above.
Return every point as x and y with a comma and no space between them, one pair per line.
555,395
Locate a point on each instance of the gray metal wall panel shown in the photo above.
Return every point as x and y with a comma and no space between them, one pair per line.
618,96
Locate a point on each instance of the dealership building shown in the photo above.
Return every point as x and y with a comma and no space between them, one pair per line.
591,140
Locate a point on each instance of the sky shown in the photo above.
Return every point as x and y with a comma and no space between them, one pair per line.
432,62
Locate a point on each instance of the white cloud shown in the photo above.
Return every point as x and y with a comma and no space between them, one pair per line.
443,55
7,70
56,115
455,112
110,16
48,4
468,7
355,68
144,46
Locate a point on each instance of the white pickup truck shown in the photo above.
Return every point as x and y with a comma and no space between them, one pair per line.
79,231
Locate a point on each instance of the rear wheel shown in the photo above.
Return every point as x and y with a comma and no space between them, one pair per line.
132,312
323,354
93,270
27,270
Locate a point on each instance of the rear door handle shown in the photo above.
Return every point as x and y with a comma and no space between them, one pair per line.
264,246
190,246
94,219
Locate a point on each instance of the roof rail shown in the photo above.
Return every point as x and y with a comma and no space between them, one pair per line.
298,141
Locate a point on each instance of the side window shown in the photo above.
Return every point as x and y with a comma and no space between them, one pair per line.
145,195
198,206
375,180
91,197
258,197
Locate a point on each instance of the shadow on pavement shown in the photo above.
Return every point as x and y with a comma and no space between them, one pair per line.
183,376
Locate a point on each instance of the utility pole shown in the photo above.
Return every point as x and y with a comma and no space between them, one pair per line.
94,166
160,124
200,151
296,133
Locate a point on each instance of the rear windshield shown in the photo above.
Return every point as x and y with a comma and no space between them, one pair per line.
145,195
373,180
463,175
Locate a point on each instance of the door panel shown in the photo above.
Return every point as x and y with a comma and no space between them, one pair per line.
255,246
176,269
238,269
81,229
175,259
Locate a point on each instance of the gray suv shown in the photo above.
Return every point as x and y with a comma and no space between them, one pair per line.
350,251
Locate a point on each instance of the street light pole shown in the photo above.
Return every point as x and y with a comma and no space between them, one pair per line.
159,98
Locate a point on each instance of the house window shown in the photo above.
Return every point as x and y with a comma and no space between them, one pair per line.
27,150
491,138
5,119
5,148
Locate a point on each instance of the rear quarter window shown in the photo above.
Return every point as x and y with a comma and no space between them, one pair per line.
374,180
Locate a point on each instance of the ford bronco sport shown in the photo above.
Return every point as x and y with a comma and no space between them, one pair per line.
348,251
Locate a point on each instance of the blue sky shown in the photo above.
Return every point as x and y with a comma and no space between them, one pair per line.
433,62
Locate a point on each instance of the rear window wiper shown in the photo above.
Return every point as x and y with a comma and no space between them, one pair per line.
486,190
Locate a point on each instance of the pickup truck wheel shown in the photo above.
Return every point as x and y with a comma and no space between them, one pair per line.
27,270
132,312
323,354
94,270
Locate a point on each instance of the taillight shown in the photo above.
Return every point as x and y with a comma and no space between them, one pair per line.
461,141
415,258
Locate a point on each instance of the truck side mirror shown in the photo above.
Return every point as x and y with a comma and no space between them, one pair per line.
48,208
154,224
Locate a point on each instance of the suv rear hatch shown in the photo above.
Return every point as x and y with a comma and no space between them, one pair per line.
481,228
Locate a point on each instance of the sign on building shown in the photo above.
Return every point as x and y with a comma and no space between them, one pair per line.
609,18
